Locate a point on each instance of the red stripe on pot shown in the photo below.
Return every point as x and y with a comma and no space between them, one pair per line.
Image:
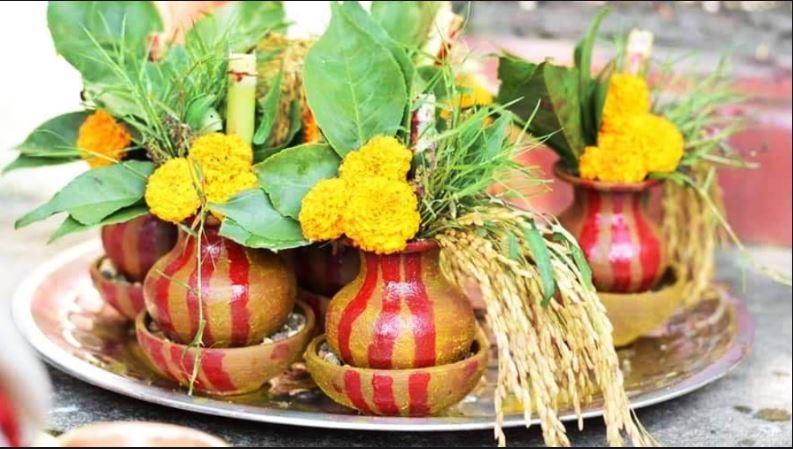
162,296
110,294
421,310
151,243
588,240
418,392
622,246
130,244
386,329
186,363
136,300
352,386
239,268
112,237
383,396
650,257
156,349
356,307
193,302
212,366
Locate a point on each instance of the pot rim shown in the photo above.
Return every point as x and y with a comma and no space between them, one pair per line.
483,347
99,277
143,319
413,246
561,172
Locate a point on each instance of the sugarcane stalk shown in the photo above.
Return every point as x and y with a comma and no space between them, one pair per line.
241,97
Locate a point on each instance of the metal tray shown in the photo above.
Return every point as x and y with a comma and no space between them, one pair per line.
60,313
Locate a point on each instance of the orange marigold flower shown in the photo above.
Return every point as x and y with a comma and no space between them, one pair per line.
381,215
322,208
627,96
171,191
660,141
382,156
102,140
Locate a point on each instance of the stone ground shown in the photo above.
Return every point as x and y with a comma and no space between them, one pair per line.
748,407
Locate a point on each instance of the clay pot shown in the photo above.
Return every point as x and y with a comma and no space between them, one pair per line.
635,314
325,269
399,392
137,434
134,246
246,294
400,312
124,296
224,371
319,305
620,242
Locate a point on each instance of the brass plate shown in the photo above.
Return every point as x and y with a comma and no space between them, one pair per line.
63,317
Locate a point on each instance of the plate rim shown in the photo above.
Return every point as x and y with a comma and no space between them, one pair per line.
83,370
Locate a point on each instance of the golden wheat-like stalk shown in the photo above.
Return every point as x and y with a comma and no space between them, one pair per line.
691,231
547,354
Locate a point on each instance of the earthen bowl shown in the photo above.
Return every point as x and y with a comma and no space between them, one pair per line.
635,314
399,392
224,371
124,296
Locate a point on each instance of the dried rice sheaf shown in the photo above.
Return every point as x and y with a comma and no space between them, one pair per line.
277,49
692,232
547,354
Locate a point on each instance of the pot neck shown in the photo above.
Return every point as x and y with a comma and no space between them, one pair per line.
605,187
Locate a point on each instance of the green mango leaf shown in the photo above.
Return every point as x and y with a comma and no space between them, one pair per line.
77,28
95,194
597,97
52,142
542,259
23,161
242,24
514,73
232,230
586,85
252,211
408,23
357,15
353,97
269,108
555,89
71,226
289,175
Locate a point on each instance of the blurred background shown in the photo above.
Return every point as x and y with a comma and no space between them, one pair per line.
757,35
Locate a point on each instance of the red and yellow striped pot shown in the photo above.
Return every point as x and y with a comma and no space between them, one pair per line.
246,294
134,246
325,269
124,296
399,392
224,371
620,242
400,312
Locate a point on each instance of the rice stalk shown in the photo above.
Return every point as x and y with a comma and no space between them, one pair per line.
547,354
